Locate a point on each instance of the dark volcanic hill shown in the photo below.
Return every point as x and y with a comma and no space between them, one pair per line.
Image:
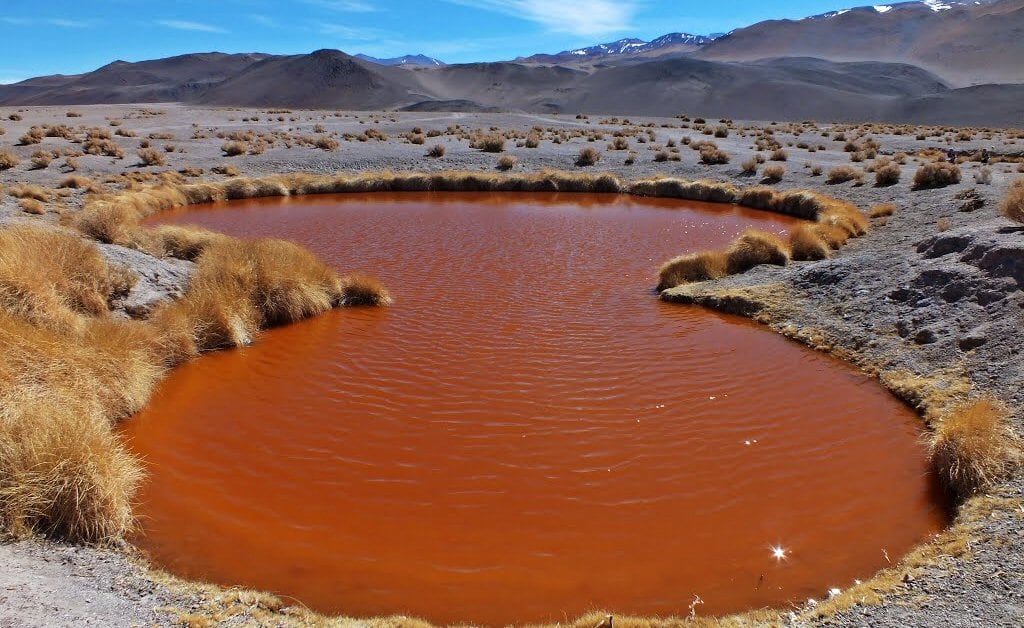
161,80
325,78
965,43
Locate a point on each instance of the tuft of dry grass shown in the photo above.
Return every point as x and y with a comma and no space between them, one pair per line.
31,206
974,447
806,243
492,143
712,155
773,173
363,290
754,248
1012,205
151,157
936,174
842,174
588,156
887,174
437,150
240,287
507,162
234,149
8,160
691,268
75,182
884,209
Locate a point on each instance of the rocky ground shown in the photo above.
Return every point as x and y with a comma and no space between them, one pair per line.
931,300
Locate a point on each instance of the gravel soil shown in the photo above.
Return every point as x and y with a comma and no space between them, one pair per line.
930,300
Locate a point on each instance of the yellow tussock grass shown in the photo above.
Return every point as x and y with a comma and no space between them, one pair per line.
806,243
691,268
358,290
884,209
974,448
754,248
1013,203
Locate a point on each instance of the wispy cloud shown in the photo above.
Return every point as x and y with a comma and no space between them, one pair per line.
66,23
184,25
352,33
584,17
348,6
263,19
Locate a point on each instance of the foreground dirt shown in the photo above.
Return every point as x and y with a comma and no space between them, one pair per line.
931,309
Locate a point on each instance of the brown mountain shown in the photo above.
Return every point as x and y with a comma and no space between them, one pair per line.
178,78
965,43
325,78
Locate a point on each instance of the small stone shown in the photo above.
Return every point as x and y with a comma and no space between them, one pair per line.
925,336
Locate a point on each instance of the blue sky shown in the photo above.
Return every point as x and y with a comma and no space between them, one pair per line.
70,36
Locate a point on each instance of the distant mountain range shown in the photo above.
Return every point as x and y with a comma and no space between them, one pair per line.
671,43
409,60
937,62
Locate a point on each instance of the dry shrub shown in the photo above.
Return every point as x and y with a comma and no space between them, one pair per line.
887,174
29,191
437,150
363,290
41,159
754,248
936,174
225,169
151,157
691,268
779,154
326,143
493,143
974,448
31,206
8,160
75,182
884,209
983,176
712,155
507,162
773,173
1012,205
749,167
842,174
806,243
588,157
944,224
234,149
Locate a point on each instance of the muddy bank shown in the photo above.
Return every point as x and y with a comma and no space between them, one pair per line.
910,300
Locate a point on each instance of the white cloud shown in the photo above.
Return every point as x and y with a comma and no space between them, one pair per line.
184,25
585,17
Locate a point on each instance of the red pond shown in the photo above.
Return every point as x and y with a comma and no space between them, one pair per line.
528,433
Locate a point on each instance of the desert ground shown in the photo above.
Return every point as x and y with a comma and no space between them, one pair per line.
930,299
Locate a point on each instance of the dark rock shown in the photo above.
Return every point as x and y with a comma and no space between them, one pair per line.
974,338
944,244
925,336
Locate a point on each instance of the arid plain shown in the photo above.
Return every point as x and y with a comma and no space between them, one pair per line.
928,299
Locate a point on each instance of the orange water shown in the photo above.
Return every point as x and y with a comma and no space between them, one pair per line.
528,433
